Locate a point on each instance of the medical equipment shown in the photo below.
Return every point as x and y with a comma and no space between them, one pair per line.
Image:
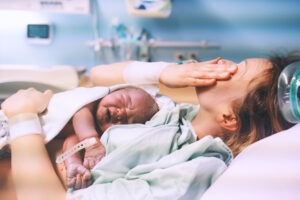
288,94
40,33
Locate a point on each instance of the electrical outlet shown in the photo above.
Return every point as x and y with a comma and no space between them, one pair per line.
180,56
192,55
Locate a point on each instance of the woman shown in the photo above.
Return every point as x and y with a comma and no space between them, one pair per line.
235,111
240,110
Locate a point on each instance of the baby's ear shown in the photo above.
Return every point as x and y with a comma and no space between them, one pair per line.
228,121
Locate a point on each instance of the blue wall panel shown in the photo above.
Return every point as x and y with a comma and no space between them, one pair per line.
243,28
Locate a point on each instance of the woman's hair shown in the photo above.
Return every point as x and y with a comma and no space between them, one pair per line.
259,114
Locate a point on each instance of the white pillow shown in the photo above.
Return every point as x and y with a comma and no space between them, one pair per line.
266,170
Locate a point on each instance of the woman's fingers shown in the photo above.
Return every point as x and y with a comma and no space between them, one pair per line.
196,73
194,82
44,99
213,68
214,61
223,75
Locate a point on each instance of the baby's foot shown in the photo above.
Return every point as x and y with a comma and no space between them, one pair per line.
78,176
93,155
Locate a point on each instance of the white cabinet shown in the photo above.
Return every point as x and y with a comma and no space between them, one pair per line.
61,6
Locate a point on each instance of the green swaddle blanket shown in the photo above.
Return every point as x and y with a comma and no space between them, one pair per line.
159,160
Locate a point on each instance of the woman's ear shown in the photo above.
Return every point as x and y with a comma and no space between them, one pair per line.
228,121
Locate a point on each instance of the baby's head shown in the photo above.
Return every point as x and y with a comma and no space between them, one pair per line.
125,106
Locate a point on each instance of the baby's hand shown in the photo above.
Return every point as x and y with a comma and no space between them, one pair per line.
78,176
93,155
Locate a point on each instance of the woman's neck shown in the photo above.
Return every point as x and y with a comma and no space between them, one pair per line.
205,124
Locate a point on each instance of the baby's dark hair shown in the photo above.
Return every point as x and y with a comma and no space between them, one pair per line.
259,114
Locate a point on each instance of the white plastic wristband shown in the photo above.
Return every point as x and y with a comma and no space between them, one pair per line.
24,124
143,72
77,147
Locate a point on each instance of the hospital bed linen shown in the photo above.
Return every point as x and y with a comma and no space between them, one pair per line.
159,160
266,170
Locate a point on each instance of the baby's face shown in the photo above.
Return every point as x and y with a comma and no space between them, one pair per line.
120,107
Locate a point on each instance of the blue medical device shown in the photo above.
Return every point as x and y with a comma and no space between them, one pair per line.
289,93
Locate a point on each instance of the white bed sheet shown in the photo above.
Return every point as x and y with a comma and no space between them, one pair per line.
267,170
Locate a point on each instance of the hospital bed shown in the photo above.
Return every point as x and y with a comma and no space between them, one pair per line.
57,78
268,169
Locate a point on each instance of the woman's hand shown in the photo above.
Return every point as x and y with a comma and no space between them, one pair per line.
197,74
26,101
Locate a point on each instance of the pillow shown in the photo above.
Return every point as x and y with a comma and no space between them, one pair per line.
266,170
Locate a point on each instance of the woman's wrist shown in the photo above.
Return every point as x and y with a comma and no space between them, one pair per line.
143,72
24,124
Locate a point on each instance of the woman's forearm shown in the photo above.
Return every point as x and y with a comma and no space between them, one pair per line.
169,74
132,72
33,174
110,74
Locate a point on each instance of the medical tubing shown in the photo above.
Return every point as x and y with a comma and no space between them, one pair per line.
143,72
24,124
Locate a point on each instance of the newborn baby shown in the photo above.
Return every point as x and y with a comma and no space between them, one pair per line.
124,106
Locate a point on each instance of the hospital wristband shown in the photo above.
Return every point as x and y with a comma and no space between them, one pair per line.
143,72
74,149
24,124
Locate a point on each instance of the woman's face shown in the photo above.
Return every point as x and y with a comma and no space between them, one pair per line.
224,92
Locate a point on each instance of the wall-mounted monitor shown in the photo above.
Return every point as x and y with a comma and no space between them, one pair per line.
39,33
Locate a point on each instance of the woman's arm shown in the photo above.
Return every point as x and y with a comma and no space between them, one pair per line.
33,174
171,74
110,74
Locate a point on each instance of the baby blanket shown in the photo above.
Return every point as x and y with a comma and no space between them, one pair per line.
64,105
159,160
61,108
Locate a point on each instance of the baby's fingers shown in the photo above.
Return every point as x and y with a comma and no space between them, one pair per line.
89,163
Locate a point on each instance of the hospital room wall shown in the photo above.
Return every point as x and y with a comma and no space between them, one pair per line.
248,28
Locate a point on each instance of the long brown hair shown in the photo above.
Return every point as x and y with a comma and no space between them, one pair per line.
259,115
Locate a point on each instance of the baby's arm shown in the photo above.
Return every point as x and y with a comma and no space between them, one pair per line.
84,126
77,175
83,122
